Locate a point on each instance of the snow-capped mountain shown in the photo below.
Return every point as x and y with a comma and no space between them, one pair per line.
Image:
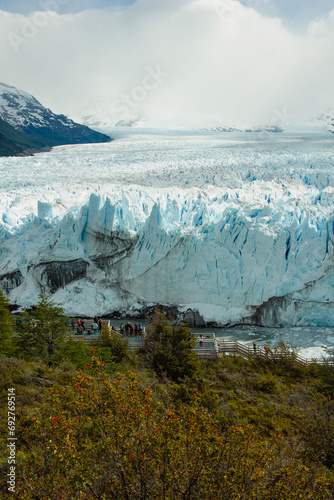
20,109
325,119
99,121
105,116
25,113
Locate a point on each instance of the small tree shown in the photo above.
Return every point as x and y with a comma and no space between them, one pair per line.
110,346
168,349
6,332
282,352
42,332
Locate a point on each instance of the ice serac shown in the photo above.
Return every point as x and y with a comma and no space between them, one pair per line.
213,260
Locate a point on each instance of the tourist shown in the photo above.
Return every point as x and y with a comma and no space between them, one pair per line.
100,324
136,328
95,327
121,328
140,327
201,341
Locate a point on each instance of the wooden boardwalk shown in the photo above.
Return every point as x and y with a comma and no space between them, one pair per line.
234,347
216,348
210,347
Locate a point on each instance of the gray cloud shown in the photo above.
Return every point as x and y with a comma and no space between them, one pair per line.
221,60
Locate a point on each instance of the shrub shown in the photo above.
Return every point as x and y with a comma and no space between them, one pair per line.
42,332
168,349
114,439
110,346
6,332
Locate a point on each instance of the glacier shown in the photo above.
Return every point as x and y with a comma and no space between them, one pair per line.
223,229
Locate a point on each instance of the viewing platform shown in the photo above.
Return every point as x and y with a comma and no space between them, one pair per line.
210,347
213,347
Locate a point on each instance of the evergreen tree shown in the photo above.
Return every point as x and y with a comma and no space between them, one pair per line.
168,348
42,332
6,332
110,346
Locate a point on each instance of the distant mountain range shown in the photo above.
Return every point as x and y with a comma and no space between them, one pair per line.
26,126
101,116
104,124
327,120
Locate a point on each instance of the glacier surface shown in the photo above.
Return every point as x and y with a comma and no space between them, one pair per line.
223,228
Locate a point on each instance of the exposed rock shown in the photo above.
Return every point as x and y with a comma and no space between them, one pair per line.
55,275
11,280
193,318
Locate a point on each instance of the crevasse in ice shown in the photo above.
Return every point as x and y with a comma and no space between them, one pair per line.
238,232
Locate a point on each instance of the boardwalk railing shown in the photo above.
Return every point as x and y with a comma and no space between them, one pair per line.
209,349
214,348
227,346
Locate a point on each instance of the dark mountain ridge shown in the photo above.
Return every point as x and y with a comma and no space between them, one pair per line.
28,126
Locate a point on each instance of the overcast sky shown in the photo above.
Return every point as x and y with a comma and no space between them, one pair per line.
237,62
297,13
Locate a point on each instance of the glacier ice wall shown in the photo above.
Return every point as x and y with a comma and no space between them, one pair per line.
221,228
266,262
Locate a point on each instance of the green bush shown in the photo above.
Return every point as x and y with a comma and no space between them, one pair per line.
168,349
267,383
110,346
117,438
6,332
42,332
75,352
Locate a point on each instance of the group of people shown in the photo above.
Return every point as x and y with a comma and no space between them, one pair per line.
81,327
129,329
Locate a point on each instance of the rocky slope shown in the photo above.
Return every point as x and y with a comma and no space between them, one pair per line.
37,126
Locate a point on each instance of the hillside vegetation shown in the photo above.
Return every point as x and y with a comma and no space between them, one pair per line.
100,422
19,138
8,148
